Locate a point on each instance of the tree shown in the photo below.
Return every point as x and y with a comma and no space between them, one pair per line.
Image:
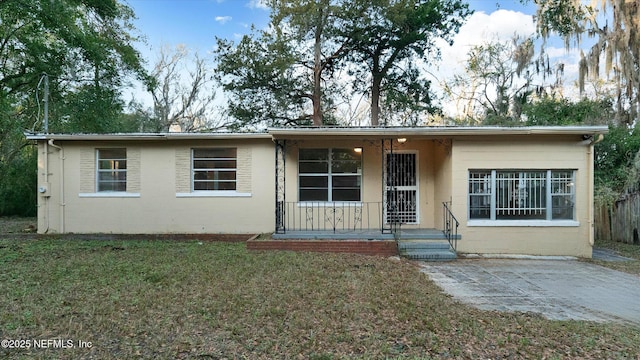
614,25
554,111
314,22
390,37
614,158
85,48
288,74
499,79
283,76
182,92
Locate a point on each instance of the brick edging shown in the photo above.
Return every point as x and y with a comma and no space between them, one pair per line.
364,247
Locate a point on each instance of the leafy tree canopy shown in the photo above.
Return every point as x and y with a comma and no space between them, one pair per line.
316,51
391,37
86,49
614,26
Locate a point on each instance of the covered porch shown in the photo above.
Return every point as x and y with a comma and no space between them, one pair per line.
344,231
369,184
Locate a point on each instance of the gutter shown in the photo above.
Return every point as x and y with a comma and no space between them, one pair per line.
46,184
437,131
62,198
301,132
146,136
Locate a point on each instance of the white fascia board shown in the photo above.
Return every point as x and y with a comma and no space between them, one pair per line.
147,136
437,131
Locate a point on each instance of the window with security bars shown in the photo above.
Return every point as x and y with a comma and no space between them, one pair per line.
480,195
522,194
214,169
562,195
329,174
112,170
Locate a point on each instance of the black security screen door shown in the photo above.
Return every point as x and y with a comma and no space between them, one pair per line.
401,188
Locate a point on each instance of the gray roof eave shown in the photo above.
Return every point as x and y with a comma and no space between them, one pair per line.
436,131
306,132
146,136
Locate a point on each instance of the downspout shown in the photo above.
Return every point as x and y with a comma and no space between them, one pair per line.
591,188
62,201
46,182
591,197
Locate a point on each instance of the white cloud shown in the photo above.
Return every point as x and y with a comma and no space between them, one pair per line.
223,19
257,4
500,25
480,28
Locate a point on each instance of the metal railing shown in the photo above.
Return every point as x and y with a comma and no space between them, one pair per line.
330,216
450,225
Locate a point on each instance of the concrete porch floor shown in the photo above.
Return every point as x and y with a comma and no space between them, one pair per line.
364,234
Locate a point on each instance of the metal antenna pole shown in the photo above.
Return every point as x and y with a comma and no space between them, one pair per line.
46,103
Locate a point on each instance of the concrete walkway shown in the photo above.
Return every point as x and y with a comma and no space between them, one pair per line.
557,289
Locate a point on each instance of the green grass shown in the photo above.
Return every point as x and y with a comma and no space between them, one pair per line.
161,299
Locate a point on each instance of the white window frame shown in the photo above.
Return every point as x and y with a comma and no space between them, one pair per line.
115,168
220,192
489,187
329,174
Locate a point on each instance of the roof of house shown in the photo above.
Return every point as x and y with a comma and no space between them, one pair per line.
362,132
149,136
435,131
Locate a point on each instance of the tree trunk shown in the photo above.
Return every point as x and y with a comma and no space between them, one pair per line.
317,77
375,99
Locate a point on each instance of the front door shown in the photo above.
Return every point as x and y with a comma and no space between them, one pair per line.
401,205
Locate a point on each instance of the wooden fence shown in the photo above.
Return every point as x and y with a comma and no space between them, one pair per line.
620,221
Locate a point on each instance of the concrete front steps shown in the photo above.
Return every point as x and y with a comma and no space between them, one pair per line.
426,250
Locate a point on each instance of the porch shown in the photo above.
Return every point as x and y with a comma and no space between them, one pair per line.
346,186
361,228
365,234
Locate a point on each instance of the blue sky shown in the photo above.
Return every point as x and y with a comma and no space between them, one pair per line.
196,23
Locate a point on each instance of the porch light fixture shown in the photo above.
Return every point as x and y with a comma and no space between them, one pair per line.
357,150
402,140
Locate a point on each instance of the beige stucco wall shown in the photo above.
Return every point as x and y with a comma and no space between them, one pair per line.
442,180
524,153
158,198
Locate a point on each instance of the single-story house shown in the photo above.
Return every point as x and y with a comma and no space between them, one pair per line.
496,190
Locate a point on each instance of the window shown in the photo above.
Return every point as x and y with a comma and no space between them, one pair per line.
112,170
562,195
480,195
521,194
214,169
329,174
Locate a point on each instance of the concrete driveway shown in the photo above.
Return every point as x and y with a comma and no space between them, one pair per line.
557,289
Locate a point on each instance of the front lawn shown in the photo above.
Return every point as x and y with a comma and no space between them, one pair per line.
162,299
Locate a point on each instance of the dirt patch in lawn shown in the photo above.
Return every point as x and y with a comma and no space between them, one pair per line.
26,228
18,225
